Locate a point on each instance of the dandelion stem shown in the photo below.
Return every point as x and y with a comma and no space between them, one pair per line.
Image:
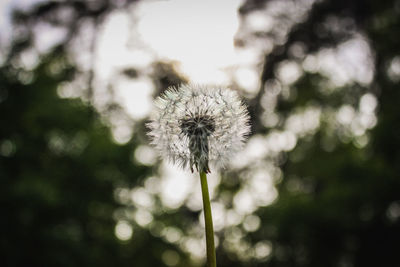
211,259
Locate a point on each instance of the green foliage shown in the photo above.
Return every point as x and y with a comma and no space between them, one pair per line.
336,206
59,168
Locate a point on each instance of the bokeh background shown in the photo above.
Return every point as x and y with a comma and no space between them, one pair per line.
318,183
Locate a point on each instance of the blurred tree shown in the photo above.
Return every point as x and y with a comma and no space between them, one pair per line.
59,165
58,169
338,200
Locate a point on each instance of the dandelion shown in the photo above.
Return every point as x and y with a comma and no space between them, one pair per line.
199,126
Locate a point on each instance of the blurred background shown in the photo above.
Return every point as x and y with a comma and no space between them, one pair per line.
316,185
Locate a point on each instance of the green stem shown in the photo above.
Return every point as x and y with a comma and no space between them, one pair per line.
211,259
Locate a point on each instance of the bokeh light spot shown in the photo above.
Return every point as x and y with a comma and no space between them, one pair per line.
170,257
123,230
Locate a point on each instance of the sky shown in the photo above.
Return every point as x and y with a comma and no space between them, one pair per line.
197,39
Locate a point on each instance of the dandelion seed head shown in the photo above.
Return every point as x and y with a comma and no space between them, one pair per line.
194,126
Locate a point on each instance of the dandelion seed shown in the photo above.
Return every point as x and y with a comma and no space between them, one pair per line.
198,126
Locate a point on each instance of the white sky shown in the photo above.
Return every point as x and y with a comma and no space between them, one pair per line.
4,21
198,36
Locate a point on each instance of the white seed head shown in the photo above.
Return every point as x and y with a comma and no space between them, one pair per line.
197,125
